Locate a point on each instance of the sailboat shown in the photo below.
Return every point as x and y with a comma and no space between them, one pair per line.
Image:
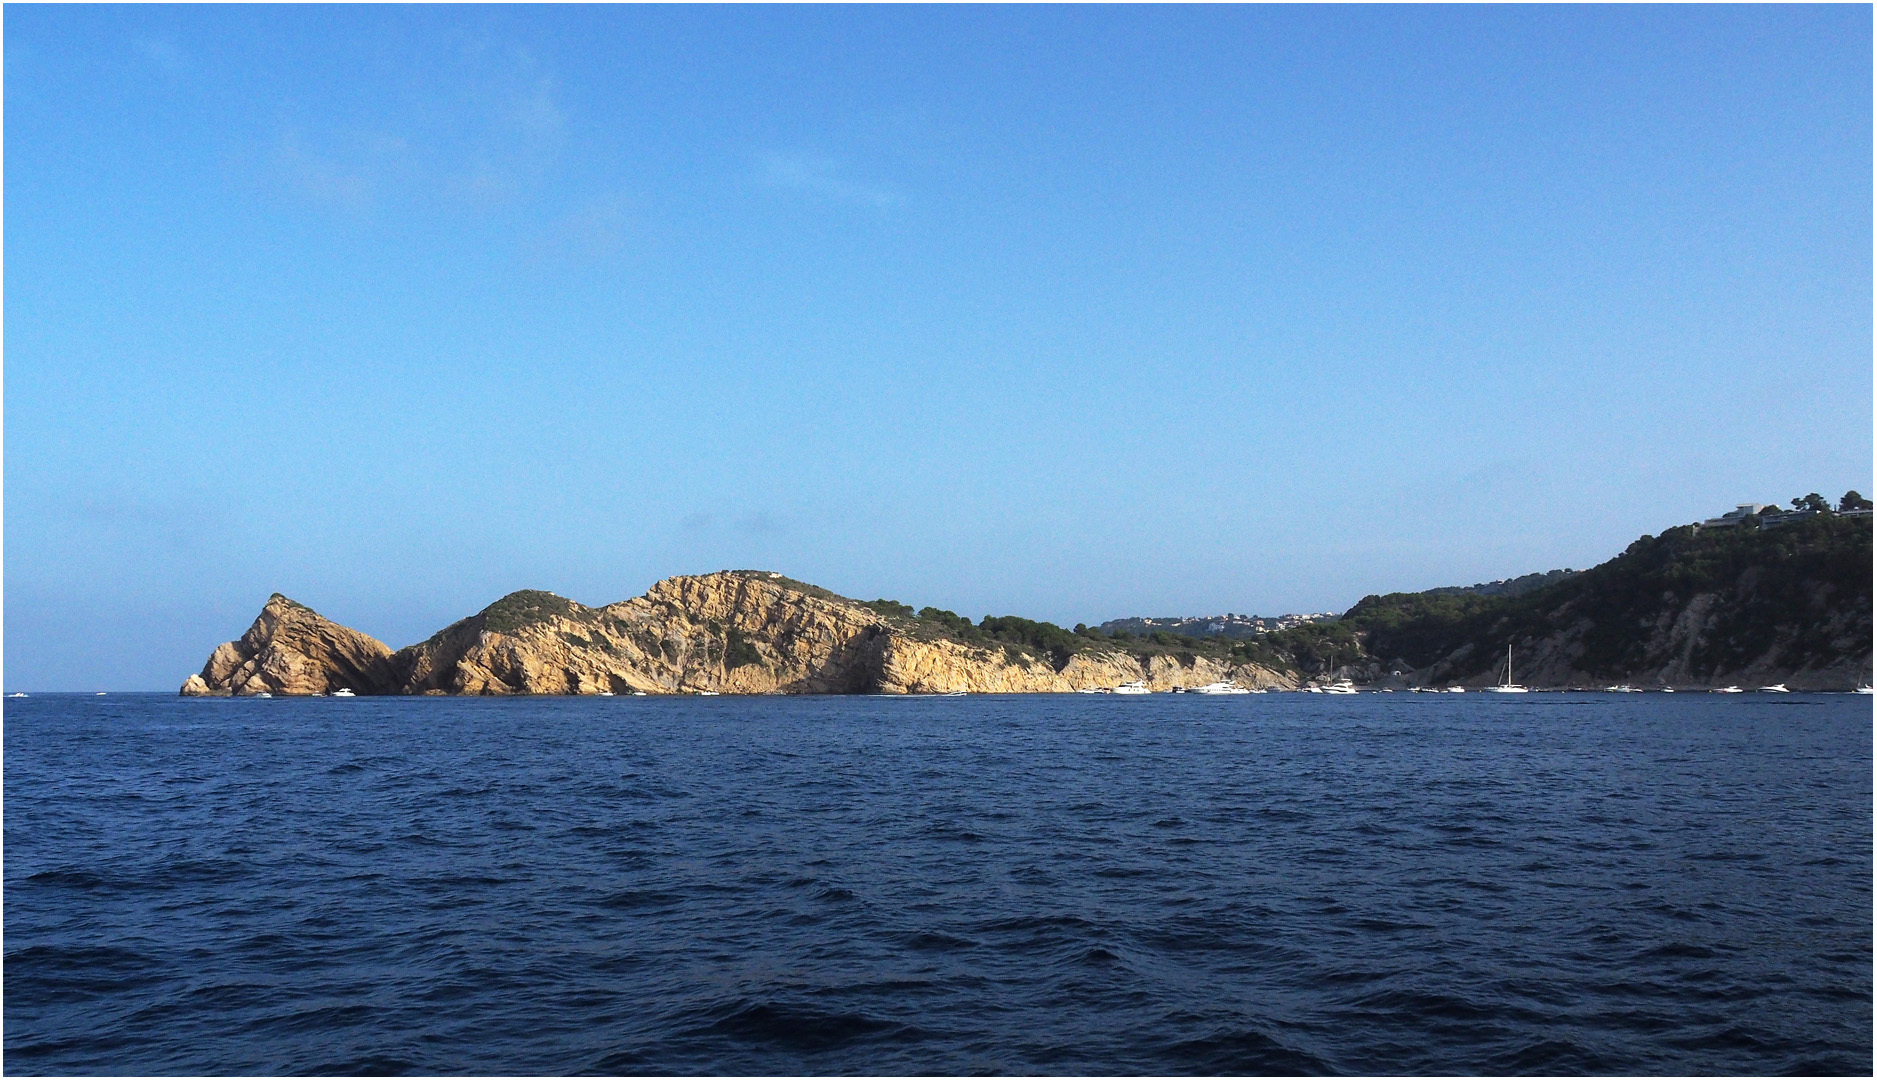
1508,687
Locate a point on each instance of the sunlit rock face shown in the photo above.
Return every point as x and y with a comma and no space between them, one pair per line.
732,632
292,649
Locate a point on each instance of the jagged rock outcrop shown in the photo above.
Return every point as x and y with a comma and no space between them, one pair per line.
291,649
742,632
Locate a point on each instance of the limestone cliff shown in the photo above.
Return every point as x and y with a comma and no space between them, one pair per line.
291,649
736,632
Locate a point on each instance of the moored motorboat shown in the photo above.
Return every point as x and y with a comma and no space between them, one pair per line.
1226,687
343,692
1135,687
1776,688
1725,690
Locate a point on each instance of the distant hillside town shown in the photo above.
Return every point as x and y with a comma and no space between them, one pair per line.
1752,515
1228,625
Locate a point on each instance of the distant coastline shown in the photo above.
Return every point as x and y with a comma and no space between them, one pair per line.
1763,598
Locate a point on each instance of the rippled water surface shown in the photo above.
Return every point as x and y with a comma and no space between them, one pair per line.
1278,883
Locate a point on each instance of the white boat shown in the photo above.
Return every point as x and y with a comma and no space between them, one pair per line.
1725,690
1625,689
606,693
1340,686
954,693
1226,687
263,694
343,692
1508,686
707,693
1776,688
638,693
1454,690
16,695
1135,687
1862,690
1094,690
98,694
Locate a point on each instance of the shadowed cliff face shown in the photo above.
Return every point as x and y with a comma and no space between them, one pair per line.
291,649
737,632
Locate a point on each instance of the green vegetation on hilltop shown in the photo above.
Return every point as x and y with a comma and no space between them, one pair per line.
527,608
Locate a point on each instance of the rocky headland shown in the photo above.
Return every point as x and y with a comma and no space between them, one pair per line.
732,632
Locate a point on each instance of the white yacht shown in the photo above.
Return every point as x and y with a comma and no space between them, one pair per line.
1863,690
707,693
1624,689
606,693
1226,687
1508,686
1135,687
263,694
1725,690
16,695
343,692
1094,690
1340,686
1776,688
1454,690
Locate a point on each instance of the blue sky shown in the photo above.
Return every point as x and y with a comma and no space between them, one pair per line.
1074,313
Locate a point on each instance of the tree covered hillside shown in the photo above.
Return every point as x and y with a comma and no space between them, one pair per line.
1693,602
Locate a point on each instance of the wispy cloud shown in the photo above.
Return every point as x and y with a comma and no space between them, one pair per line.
162,53
823,177
487,131
342,170
593,230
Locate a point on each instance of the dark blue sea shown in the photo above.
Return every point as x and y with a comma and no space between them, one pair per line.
1283,883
